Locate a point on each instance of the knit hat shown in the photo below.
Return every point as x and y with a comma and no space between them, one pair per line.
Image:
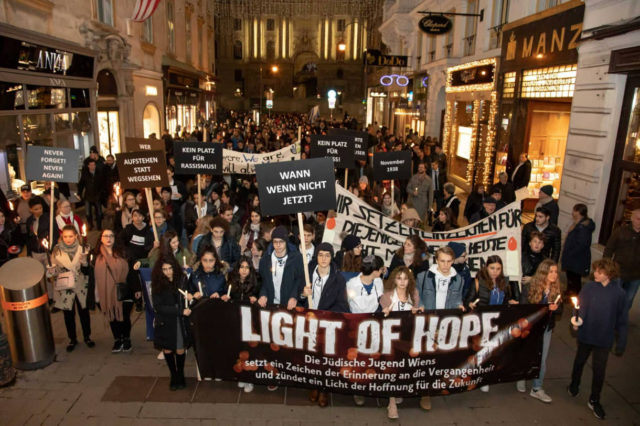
489,200
458,248
547,189
410,214
25,188
281,233
350,242
364,179
325,247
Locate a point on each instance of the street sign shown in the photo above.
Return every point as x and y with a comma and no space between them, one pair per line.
435,24
269,104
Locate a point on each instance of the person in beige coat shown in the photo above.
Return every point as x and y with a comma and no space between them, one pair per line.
70,285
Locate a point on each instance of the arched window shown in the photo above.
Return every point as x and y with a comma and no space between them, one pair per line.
237,49
151,120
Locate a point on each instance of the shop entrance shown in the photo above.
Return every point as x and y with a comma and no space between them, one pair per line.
108,113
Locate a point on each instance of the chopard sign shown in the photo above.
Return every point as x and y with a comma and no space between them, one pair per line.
435,24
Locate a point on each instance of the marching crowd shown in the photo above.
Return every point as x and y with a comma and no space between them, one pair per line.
214,243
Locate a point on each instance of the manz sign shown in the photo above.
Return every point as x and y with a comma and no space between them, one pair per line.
198,157
52,164
392,165
143,169
296,186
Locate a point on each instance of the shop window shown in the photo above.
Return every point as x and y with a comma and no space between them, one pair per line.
271,24
82,132
11,96
109,132
552,82
10,147
45,97
471,28
37,129
79,98
147,30
104,11
632,143
151,121
237,49
171,26
64,130
509,85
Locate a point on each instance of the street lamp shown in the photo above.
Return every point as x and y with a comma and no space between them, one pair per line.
342,46
274,70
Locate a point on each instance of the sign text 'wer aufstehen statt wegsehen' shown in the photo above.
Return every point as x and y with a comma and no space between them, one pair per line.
142,169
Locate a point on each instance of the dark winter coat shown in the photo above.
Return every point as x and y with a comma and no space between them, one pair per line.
426,286
292,280
576,254
137,242
473,206
212,282
484,294
34,242
334,293
168,305
530,261
92,186
624,247
398,261
522,176
552,239
229,250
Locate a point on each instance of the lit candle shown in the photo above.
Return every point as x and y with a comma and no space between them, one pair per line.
229,291
116,189
84,232
186,301
576,321
45,243
184,262
576,306
11,205
200,288
557,300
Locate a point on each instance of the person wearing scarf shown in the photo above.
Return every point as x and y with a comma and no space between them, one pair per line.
252,231
66,216
111,268
69,255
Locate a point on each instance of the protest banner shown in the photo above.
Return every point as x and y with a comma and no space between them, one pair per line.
197,158
143,169
498,234
143,144
243,163
336,147
54,165
359,141
401,355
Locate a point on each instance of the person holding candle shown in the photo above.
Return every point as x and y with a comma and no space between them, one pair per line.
171,327
169,244
67,259
490,288
66,216
208,280
111,268
219,238
124,215
604,314
544,288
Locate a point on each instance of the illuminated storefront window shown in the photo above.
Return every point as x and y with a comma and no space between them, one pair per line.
552,82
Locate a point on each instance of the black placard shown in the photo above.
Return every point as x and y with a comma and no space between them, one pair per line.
436,24
142,144
392,165
197,157
296,186
52,164
142,169
375,58
338,148
358,139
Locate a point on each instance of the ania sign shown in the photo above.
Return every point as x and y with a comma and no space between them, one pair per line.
435,24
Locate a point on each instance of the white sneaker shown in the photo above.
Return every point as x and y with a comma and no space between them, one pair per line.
359,400
248,387
521,386
484,388
160,355
541,395
241,384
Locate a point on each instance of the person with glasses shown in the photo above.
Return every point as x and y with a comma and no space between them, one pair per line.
327,293
111,268
364,292
171,328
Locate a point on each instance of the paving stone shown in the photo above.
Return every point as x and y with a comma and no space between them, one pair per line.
161,392
129,388
261,395
217,392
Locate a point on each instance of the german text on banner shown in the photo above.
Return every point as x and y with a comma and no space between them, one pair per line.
243,163
498,234
403,354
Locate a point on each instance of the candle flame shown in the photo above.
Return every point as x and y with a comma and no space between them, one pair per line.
11,205
574,300
45,243
84,229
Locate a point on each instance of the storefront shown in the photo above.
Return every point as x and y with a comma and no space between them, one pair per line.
47,91
538,75
183,98
469,122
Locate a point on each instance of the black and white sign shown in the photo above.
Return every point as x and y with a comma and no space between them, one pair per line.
435,24
142,169
52,164
339,148
142,144
392,165
296,186
198,157
358,139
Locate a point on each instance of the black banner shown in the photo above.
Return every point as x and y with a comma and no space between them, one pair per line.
198,157
391,165
296,186
434,353
359,141
339,148
52,164
142,169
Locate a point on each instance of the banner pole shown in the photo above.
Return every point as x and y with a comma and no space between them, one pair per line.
150,206
300,135
307,282
346,176
52,211
393,200
199,196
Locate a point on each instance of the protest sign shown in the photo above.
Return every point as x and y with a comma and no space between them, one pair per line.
142,169
244,163
338,148
402,355
296,186
359,141
142,144
198,157
498,234
392,165
52,164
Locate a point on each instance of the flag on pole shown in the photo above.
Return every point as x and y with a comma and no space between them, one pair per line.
144,9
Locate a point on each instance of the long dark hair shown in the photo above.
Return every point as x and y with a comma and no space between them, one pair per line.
421,249
118,249
218,267
484,277
165,242
233,278
158,280
247,225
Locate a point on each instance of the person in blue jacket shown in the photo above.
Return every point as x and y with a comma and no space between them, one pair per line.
210,275
282,273
226,247
576,254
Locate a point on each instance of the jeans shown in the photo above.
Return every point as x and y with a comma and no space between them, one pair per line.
546,342
598,364
89,207
122,329
630,288
70,321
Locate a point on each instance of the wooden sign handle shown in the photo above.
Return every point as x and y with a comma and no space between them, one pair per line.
147,192
304,257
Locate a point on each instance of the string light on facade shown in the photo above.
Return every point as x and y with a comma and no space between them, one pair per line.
491,139
474,139
470,87
447,126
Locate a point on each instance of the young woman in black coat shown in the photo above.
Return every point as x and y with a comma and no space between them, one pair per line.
413,254
243,280
172,334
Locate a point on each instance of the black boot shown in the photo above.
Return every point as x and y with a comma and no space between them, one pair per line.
180,381
170,358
